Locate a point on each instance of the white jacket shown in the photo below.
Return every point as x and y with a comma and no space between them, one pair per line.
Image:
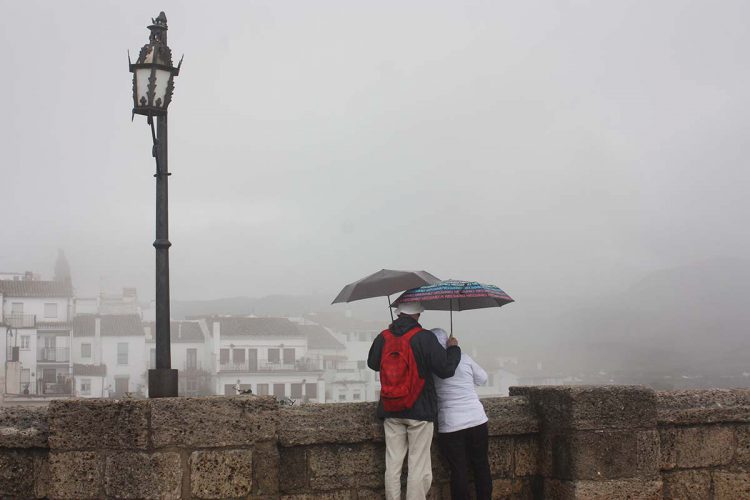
458,404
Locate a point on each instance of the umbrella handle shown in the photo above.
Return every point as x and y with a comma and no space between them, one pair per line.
451,303
389,307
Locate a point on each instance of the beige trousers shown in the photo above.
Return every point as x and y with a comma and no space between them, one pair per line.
414,436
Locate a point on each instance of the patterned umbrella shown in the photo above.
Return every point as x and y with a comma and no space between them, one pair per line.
455,295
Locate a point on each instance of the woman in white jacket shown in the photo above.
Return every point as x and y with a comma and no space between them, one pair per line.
462,426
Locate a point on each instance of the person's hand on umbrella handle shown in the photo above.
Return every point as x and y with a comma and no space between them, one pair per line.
452,341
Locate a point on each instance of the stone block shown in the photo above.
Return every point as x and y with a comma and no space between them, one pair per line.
510,416
213,422
731,485
221,474
143,475
17,474
266,469
334,467
687,484
648,453
591,407
703,406
525,456
76,475
88,424
328,495
500,455
511,489
326,423
742,452
691,447
591,455
41,474
634,489
293,461
22,427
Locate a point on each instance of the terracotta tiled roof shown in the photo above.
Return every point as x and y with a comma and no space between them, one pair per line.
242,327
319,338
115,325
180,331
35,288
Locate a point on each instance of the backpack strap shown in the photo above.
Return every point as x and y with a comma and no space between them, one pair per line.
408,335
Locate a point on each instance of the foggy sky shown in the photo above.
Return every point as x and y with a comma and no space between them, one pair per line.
555,149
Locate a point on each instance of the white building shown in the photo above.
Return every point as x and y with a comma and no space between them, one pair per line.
265,355
36,316
109,355
191,354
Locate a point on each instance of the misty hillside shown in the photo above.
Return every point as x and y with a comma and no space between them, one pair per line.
272,305
688,319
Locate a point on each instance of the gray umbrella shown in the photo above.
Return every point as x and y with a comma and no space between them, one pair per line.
384,283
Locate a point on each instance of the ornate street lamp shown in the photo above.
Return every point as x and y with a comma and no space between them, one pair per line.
153,83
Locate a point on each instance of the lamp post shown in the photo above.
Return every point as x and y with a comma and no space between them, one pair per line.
153,83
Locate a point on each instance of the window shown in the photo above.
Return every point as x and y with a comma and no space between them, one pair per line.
16,308
356,396
192,358
238,356
273,356
262,389
25,342
311,391
50,310
289,356
85,350
278,390
85,386
342,397
223,356
296,391
122,353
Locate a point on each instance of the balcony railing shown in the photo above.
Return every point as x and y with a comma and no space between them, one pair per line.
263,365
53,355
18,320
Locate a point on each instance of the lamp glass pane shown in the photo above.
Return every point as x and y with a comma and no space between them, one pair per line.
162,79
141,84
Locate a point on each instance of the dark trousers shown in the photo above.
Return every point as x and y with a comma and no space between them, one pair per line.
464,448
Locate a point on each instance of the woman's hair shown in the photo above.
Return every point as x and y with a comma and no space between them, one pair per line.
442,336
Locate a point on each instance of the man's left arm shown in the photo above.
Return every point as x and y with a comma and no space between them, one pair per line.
376,350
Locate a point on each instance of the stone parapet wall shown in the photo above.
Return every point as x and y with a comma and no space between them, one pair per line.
705,443
545,442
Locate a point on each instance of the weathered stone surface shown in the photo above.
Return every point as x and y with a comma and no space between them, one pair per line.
370,494
742,452
703,406
509,416
634,489
87,424
731,484
326,423
41,474
526,456
648,453
143,475
440,470
689,447
345,466
500,455
511,489
687,484
221,474
293,461
22,427
591,455
591,407
328,495
17,474
76,475
266,469
213,422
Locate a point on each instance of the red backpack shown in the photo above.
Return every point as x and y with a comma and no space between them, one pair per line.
400,384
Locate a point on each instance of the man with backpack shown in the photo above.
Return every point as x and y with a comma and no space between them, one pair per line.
406,355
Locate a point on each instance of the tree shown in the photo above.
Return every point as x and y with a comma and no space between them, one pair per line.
62,268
